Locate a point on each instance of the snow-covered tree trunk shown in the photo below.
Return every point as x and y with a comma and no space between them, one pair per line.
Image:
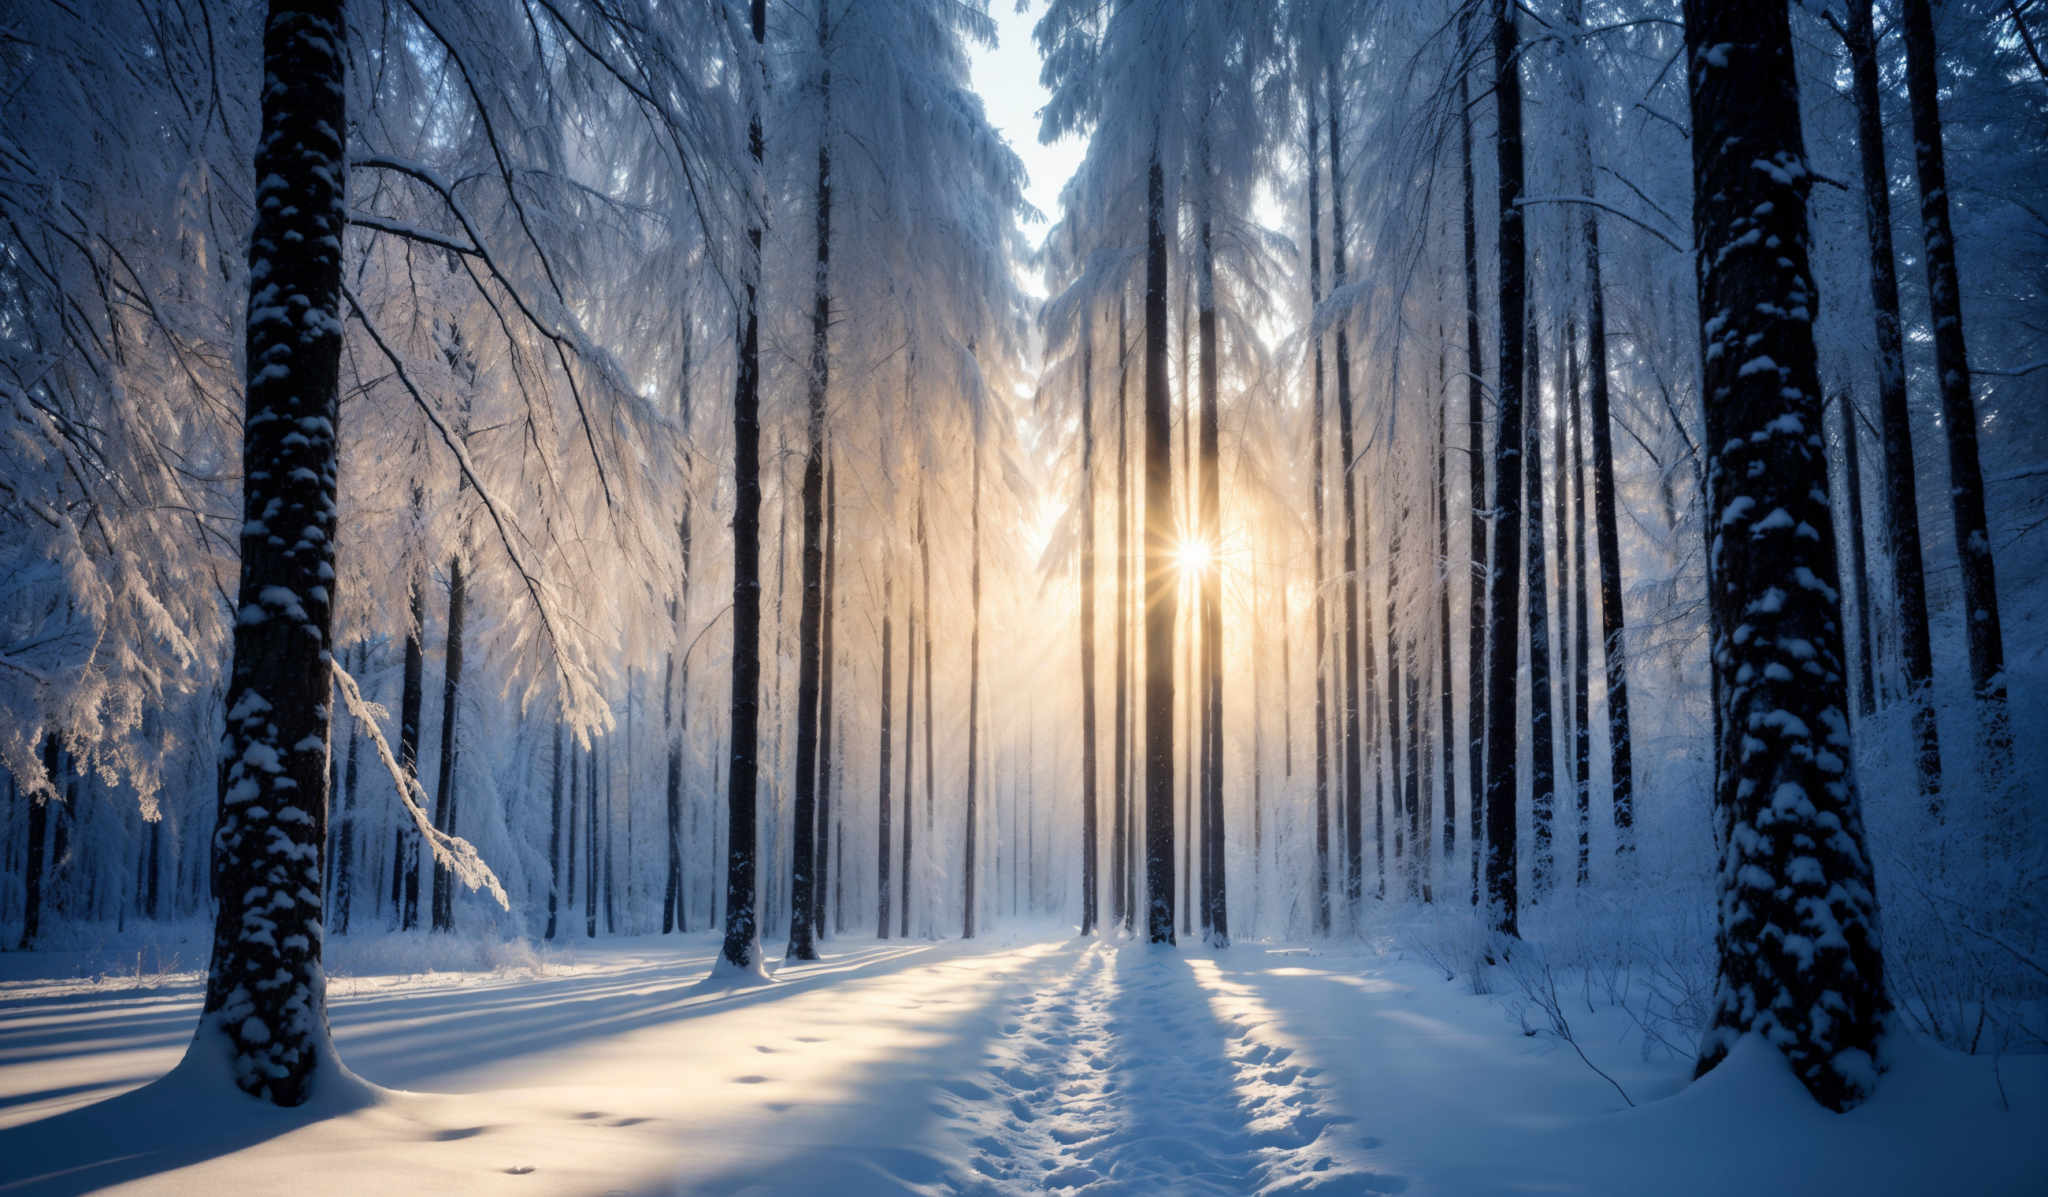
1120,840
1505,593
265,1016
1799,961
1958,409
1582,731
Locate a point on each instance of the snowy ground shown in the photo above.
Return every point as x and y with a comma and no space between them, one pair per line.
1008,1065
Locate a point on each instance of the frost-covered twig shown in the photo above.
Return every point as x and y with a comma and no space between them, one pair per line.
457,854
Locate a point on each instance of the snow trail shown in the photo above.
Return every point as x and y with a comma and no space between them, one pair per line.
1118,1078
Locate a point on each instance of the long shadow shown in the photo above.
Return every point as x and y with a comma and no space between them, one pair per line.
868,1145
161,1127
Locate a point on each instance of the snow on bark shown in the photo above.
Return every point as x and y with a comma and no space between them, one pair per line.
1799,962
266,994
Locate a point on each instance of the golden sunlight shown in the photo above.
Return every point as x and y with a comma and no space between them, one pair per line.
1193,557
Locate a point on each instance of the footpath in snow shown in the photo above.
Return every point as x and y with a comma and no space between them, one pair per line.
999,1067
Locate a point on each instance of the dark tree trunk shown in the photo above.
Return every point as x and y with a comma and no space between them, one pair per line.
1475,465
555,834
1902,500
412,701
591,848
1120,844
1447,736
1160,597
1958,409
882,878
451,697
38,848
1318,478
1620,747
1090,831
804,897
924,560
909,760
1799,961
1859,555
266,996
1504,601
973,694
742,945
1353,734
345,837
827,839
1542,745
1582,732
1215,901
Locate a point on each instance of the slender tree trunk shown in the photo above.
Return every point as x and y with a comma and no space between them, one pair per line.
38,848
1120,848
451,696
1447,735
828,840
1958,409
1090,832
1318,478
804,855
345,853
1620,747
266,996
1799,959
1475,464
1504,603
1902,501
1859,560
1160,597
592,829
742,931
1542,744
555,833
1216,914
882,878
924,560
1582,732
909,757
1353,731
974,694
411,707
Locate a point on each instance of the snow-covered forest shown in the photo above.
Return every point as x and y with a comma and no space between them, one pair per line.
972,596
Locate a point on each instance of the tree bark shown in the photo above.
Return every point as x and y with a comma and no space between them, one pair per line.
1958,409
1215,898
741,948
1090,830
1542,744
973,694
1353,734
1160,597
266,996
1475,464
1504,601
451,697
1799,959
1901,487
1319,476
882,878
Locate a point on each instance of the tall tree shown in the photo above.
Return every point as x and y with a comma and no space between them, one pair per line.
1901,488
741,948
1475,469
1318,477
882,879
1215,903
1799,960
1614,651
973,688
1090,821
265,1014
1353,733
1160,597
1952,378
1505,591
